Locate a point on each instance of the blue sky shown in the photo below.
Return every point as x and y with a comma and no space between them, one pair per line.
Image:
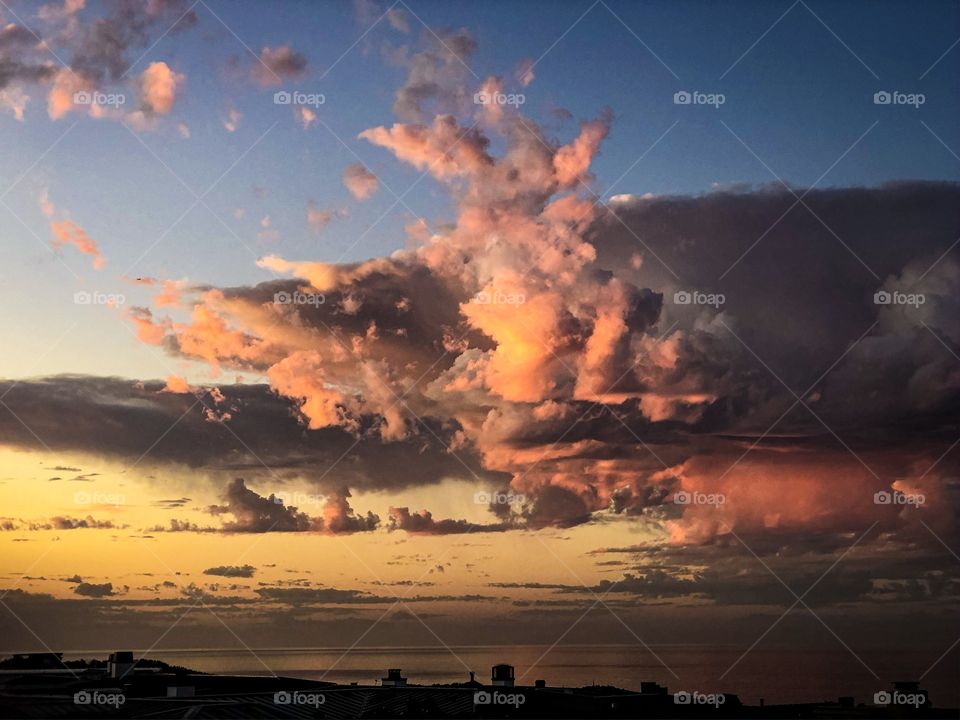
800,98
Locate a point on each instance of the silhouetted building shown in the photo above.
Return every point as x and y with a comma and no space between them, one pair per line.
502,676
393,679
120,664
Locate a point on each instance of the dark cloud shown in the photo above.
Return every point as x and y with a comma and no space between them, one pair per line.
120,418
423,523
244,571
255,513
277,65
94,590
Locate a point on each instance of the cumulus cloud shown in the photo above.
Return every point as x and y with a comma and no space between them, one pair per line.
256,513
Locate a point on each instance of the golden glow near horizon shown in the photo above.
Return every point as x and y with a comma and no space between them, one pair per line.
135,557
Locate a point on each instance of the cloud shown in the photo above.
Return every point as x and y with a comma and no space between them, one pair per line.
436,77
177,384
423,523
158,89
277,65
561,341
95,590
243,571
67,232
61,522
318,218
359,181
256,513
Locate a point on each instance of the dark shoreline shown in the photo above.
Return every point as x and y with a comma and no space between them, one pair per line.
45,686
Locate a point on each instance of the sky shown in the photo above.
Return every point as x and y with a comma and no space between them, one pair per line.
323,319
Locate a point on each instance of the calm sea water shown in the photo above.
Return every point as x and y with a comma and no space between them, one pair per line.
775,675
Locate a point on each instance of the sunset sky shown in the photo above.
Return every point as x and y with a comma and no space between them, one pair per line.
486,336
